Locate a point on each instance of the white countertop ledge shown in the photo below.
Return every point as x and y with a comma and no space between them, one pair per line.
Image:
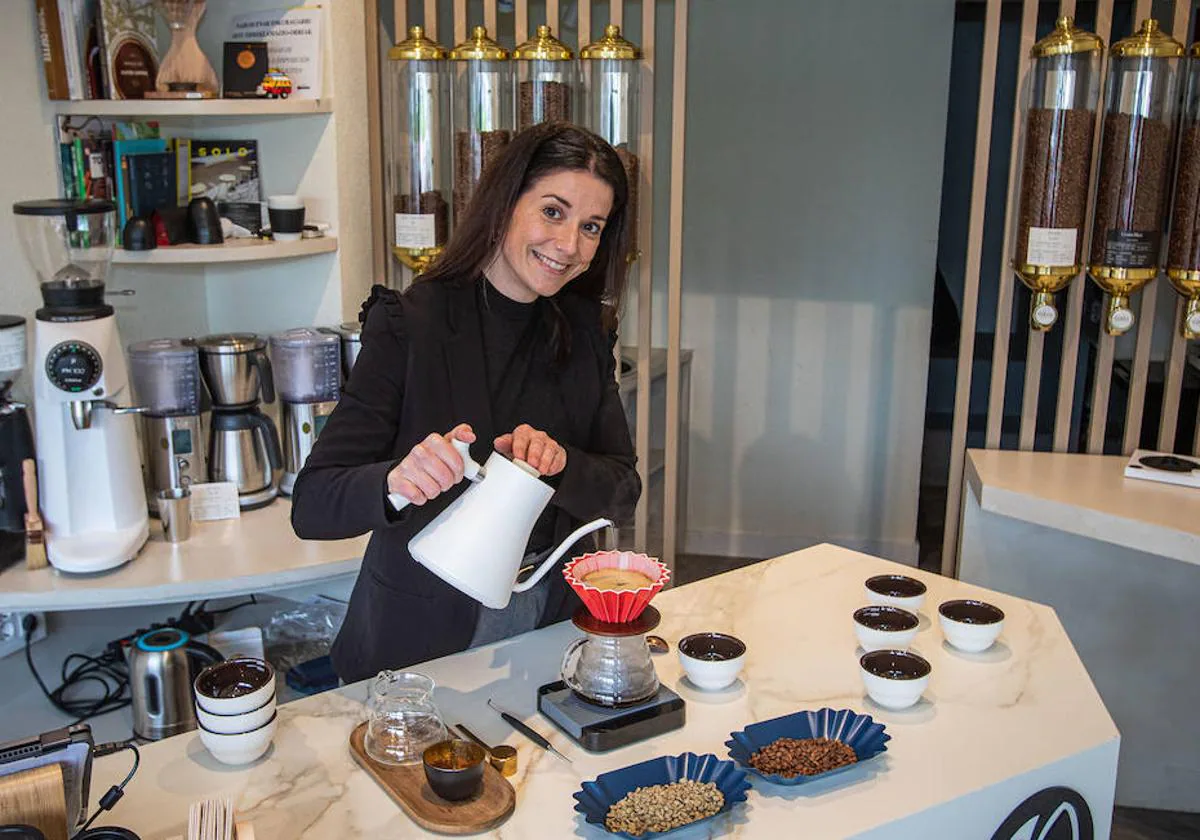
1089,496
258,552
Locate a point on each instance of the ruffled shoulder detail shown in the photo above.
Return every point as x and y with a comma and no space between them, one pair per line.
390,299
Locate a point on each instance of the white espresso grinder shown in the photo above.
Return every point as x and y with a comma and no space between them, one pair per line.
477,543
88,464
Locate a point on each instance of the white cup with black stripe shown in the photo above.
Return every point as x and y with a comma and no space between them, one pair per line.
286,213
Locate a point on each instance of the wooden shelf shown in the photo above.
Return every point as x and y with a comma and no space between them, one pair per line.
193,107
234,250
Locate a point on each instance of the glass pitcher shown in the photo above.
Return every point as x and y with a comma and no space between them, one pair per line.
402,718
610,670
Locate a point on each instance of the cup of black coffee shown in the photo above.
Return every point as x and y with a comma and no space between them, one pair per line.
286,213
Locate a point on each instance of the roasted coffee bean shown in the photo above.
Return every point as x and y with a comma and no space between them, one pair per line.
1054,174
1183,248
1134,155
473,154
541,102
630,161
791,757
664,807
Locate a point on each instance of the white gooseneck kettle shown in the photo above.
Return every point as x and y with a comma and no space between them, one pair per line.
477,543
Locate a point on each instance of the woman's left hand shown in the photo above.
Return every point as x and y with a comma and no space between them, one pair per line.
534,447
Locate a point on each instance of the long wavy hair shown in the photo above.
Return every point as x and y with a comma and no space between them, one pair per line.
533,154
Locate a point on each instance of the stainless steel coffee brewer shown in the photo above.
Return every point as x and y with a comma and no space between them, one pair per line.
350,333
308,369
166,378
243,443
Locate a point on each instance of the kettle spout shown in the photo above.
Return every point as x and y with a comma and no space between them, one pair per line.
572,538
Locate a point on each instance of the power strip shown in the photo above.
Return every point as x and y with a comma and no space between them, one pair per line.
12,638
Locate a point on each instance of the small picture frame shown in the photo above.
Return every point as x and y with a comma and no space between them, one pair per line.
244,67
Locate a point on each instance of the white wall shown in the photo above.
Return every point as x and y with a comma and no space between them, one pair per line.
814,164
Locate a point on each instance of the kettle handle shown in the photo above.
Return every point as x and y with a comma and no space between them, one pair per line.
572,538
270,438
470,471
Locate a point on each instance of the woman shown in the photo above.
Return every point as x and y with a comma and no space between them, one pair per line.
504,343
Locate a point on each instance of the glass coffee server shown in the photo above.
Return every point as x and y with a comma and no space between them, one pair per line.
418,170
612,86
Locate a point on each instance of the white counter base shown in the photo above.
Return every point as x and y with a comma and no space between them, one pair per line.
1131,614
993,728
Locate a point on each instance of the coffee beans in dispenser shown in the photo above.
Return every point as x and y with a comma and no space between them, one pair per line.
1183,247
612,83
1061,96
418,170
483,111
546,80
1135,154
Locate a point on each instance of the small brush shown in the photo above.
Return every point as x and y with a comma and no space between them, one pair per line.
35,536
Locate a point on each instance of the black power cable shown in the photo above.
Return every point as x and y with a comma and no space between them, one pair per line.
114,793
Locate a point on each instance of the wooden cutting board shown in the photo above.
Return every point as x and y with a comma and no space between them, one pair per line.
406,785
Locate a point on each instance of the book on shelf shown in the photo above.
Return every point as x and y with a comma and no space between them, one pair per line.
122,151
50,42
227,172
151,182
127,41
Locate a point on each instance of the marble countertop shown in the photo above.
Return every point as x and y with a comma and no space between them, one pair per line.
1022,705
1088,495
257,552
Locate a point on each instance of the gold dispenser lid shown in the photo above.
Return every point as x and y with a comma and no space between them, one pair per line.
1148,42
612,45
542,47
1066,39
1194,52
479,47
416,47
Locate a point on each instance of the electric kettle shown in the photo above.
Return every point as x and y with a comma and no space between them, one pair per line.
162,666
477,543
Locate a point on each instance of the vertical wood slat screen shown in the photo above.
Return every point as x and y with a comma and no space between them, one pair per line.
643,269
1071,323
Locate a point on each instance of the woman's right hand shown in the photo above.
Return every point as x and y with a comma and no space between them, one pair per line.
431,467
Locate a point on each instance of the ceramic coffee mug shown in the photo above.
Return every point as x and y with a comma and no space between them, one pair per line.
286,213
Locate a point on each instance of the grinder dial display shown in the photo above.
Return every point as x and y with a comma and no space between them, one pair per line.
73,366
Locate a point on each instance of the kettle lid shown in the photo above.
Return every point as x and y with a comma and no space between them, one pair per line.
162,639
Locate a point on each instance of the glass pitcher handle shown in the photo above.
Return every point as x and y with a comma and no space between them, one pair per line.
567,670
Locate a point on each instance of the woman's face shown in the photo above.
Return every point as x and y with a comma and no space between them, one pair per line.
552,236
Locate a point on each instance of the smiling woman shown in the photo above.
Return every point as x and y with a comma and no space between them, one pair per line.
506,342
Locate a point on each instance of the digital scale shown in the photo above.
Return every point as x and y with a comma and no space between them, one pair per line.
600,728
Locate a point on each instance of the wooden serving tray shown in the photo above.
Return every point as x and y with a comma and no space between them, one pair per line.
406,786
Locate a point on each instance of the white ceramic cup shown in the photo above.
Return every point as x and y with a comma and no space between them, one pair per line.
238,723
241,748
971,626
286,213
235,686
712,661
895,679
883,627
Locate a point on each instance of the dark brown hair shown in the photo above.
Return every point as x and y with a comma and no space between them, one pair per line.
533,154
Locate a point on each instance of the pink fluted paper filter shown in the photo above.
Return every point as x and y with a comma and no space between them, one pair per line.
615,606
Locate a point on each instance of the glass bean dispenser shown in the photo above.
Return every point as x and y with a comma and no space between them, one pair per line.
1062,94
612,87
546,80
1183,247
418,165
483,111
1135,156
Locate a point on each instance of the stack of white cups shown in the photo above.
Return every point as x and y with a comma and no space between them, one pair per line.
235,706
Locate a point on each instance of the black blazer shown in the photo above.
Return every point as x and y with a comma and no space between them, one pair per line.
421,370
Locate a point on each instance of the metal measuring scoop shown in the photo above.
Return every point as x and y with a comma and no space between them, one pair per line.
502,757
